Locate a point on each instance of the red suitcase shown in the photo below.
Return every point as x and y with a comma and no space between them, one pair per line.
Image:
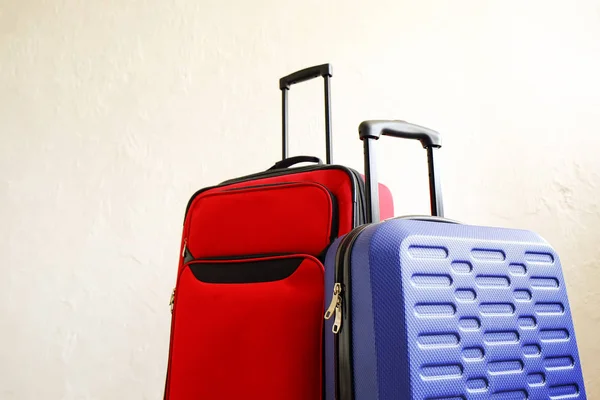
249,298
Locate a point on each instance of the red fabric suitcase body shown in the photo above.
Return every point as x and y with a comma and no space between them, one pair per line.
249,298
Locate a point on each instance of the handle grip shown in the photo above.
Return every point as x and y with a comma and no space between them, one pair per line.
370,131
288,162
305,75
400,129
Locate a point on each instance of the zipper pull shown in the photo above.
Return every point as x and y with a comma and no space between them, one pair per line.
337,289
335,308
184,247
337,322
172,301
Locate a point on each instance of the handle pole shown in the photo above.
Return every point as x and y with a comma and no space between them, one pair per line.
328,145
284,123
435,186
372,183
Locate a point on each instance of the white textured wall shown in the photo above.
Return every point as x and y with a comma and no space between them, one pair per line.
113,112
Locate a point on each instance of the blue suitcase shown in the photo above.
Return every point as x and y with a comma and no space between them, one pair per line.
428,308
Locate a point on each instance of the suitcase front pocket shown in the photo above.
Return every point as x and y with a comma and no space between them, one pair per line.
289,217
248,329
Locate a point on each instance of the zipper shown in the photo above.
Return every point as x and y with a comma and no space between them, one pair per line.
241,257
259,186
345,374
172,301
185,254
340,309
184,248
335,307
189,258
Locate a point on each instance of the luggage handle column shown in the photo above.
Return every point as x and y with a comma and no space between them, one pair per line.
370,131
306,74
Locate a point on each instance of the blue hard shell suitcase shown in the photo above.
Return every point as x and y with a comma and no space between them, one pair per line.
428,308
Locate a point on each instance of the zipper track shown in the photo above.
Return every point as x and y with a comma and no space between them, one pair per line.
357,186
343,338
346,370
335,212
263,185
236,258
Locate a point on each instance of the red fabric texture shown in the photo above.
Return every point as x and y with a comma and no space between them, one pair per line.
337,181
386,202
251,341
285,218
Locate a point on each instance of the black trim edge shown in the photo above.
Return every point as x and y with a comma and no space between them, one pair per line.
344,389
252,271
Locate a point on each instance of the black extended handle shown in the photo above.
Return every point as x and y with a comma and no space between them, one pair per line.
323,70
288,162
305,75
400,129
372,130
